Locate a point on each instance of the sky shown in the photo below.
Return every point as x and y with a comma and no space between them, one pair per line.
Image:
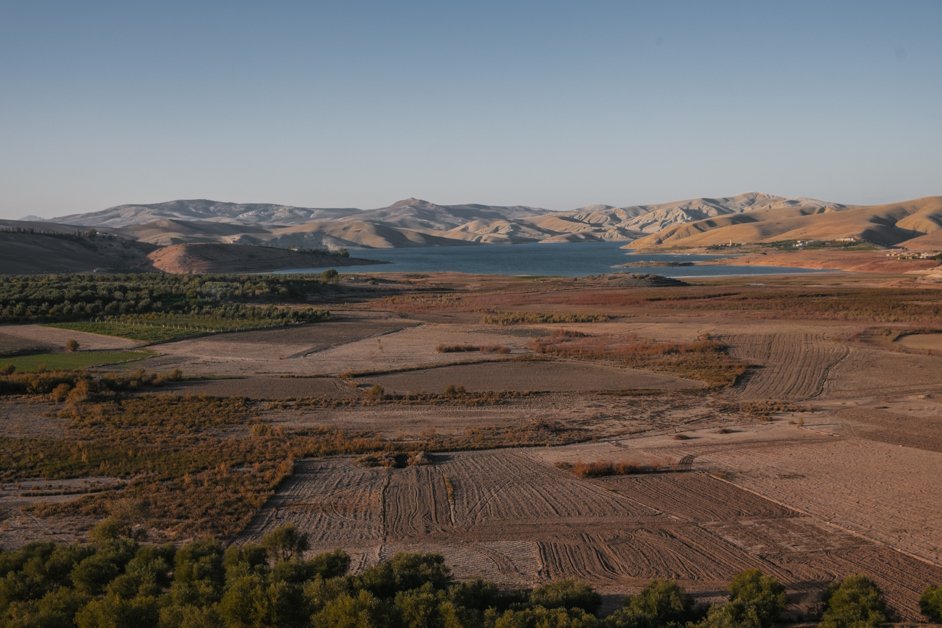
351,103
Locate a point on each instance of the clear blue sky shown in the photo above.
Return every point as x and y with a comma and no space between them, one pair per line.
557,104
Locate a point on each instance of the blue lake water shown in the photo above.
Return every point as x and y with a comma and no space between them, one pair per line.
566,259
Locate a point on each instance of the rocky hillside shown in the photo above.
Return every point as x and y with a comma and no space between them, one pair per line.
412,222
916,223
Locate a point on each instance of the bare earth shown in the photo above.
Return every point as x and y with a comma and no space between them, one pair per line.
821,461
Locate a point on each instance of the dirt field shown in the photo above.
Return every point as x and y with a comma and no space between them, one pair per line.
509,516
929,343
527,376
20,337
822,460
267,388
789,366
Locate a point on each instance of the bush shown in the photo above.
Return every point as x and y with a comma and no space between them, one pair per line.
403,572
857,602
566,594
931,604
72,345
285,542
541,617
662,604
755,601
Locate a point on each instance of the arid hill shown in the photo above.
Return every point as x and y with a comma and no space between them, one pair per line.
40,247
28,248
240,258
917,221
413,222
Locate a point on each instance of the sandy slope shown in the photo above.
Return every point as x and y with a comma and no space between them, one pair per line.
885,225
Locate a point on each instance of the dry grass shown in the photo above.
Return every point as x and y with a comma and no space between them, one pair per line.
533,318
606,468
705,359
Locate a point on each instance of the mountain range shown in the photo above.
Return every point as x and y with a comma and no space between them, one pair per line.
196,235
414,222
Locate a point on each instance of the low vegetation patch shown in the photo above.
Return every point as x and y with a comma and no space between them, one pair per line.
158,307
532,318
472,349
79,386
69,361
606,468
705,359
164,327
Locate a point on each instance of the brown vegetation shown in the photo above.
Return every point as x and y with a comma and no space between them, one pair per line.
605,468
705,359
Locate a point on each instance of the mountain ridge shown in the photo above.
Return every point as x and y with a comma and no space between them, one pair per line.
413,221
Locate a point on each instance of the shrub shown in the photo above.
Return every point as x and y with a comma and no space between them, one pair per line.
764,593
358,610
660,604
931,604
285,542
541,617
566,594
72,345
602,469
755,601
405,571
857,602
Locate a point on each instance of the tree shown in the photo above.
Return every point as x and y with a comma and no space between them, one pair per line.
660,604
755,601
359,610
931,604
198,574
285,542
566,594
542,617
857,602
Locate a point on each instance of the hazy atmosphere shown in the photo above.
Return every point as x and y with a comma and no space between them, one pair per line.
551,104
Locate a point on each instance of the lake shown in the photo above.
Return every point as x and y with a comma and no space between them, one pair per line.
572,259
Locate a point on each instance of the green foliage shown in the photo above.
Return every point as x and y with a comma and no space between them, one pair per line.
198,574
70,361
403,572
285,542
855,603
197,585
661,604
354,610
61,298
930,603
566,594
116,611
541,617
756,601
330,275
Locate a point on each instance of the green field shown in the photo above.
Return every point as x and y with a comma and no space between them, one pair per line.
71,361
165,327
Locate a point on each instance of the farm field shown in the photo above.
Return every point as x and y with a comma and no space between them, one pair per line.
71,360
445,414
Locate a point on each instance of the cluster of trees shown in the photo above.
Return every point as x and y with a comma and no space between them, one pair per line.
80,385
76,236
114,581
53,298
